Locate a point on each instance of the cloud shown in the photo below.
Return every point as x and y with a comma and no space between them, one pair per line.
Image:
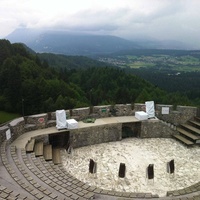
166,19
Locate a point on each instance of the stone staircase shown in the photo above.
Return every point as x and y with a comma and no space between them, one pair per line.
189,133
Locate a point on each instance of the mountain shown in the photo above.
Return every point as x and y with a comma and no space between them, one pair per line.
78,43
69,43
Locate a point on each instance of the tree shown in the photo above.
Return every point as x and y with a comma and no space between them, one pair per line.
11,81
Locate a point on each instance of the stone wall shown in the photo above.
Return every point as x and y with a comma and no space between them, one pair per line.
80,113
95,135
40,120
17,127
122,110
3,130
179,116
156,129
173,117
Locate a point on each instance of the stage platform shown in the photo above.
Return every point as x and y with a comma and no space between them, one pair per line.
22,140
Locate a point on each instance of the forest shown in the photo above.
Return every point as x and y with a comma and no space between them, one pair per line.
30,85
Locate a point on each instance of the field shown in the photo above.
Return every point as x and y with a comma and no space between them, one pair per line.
5,116
171,70
159,61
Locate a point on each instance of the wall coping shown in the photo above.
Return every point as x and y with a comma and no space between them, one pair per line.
16,121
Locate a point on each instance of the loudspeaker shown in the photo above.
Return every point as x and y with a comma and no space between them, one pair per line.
170,167
122,170
150,171
91,166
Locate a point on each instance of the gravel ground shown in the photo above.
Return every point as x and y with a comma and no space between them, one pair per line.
137,154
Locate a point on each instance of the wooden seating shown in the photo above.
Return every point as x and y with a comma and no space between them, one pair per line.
56,156
30,145
38,149
48,152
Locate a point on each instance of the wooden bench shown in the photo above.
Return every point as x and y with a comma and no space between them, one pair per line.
38,149
56,156
48,152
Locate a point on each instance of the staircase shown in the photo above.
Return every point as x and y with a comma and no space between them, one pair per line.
189,133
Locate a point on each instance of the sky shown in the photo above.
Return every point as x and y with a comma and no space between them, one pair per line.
151,19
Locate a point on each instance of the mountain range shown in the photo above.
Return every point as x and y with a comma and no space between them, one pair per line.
73,43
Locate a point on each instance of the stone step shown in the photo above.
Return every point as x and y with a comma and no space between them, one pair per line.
188,134
191,128
196,123
30,146
47,152
38,149
183,139
197,119
56,156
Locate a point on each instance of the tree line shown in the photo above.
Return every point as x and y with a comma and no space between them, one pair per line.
28,85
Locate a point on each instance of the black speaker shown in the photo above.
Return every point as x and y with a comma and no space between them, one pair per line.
91,166
122,170
170,167
150,171
95,168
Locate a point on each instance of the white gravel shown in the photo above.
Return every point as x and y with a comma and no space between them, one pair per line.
137,154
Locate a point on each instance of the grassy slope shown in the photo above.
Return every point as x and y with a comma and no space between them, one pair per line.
5,116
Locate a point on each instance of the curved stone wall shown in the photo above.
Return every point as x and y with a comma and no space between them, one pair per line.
19,126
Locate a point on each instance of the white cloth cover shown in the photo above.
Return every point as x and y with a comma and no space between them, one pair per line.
72,124
150,109
141,115
61,122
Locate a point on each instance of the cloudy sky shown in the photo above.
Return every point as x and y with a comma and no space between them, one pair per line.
156,19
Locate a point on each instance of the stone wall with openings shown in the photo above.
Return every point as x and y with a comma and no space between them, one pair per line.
95,135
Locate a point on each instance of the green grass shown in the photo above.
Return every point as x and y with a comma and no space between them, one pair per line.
137,65
5,116
180,63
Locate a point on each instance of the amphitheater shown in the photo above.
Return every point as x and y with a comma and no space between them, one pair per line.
35,161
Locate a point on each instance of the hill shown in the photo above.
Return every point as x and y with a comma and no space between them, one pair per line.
29,85
70,62
78,43
69,43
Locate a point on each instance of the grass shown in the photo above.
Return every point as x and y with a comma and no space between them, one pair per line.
181,63
137,65
5,116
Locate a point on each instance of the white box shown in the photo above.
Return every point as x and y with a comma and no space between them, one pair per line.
72,124
141,115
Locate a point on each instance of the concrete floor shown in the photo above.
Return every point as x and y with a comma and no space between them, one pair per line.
137,154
